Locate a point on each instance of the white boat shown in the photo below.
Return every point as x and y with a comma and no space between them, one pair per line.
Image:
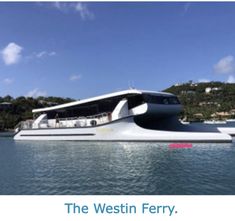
130,115
226,126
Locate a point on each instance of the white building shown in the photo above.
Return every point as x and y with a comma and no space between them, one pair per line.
208,90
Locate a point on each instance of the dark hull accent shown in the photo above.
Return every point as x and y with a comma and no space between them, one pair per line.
171,124
227,124
146,141
54,135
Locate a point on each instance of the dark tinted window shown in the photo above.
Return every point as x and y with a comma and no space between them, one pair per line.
160,99
87,109
135,100
173,100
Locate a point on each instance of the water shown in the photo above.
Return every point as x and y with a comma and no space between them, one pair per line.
115,168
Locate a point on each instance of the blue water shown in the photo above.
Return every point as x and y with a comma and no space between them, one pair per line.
115,168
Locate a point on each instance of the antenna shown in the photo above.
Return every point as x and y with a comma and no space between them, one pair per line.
131,85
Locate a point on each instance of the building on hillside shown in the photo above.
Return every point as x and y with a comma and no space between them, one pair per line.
211,89
216,89
221,115
177,84
232,111
188,92
48,103
5,106
204,103
198,115
208,90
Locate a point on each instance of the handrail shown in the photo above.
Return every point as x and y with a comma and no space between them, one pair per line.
28,124
24,124
104,114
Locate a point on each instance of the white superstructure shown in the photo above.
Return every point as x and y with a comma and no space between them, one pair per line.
130,115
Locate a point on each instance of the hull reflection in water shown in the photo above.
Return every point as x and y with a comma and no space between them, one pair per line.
48,167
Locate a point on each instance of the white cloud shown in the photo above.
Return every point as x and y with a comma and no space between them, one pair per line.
75,77
84,12
40,54
45,53
52,53
203,80
80,8
8,81
11,54
225,65
231,79
36,93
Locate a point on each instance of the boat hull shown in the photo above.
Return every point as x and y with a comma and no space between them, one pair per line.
227,127
121,130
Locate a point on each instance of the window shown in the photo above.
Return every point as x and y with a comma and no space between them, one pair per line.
160,99
135,100
87,109
173,100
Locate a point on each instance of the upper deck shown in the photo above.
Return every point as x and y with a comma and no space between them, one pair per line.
106,108
123,94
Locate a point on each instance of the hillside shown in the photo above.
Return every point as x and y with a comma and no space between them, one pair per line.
204,101
14,110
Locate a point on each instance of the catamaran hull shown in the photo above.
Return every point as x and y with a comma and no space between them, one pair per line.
227,130
121,130
227,127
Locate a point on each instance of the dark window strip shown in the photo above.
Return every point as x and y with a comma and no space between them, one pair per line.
45,135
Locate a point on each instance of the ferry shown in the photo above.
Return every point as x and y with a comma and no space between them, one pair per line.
129,115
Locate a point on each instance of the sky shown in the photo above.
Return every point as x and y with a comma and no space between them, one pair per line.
84,49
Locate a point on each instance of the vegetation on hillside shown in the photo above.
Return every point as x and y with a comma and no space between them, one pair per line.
14,110
206,101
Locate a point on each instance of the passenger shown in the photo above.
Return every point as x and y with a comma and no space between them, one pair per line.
57,120
109,116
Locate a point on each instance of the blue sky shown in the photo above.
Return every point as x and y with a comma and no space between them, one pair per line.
80,50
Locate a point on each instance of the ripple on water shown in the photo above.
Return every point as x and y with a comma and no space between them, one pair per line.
115,168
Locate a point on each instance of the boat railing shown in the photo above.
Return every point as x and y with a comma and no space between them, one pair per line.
72,122
96,116
81,121
67,118
28,124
